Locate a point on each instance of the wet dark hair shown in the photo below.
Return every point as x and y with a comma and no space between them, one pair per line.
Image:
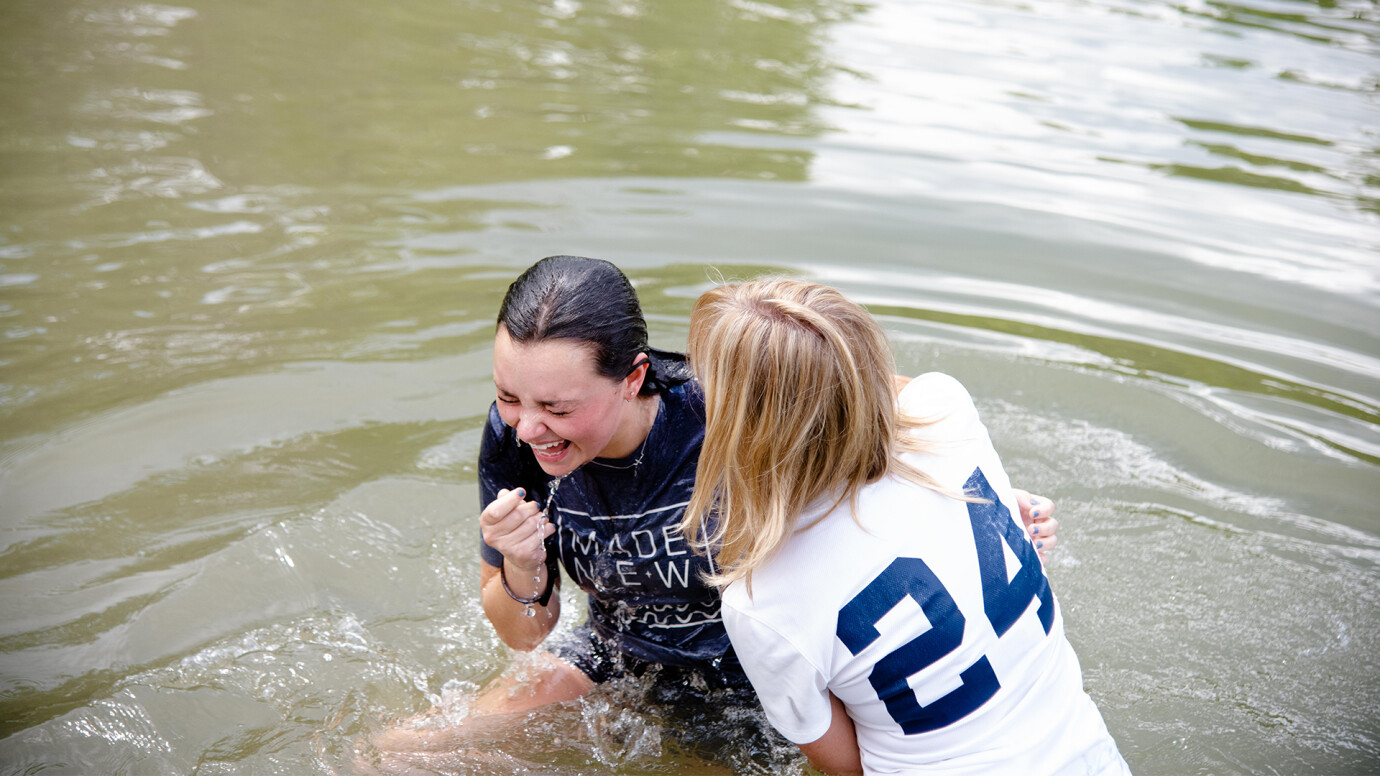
591,302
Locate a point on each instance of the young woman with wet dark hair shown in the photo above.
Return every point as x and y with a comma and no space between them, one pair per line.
587,460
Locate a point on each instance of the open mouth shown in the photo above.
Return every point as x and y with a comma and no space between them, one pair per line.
551,451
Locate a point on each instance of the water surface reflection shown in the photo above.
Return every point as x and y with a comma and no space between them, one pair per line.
251,253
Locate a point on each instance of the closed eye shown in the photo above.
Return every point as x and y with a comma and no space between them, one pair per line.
513,401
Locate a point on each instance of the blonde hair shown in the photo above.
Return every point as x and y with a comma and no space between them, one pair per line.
800,404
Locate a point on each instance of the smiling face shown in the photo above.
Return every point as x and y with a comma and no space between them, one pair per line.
549,392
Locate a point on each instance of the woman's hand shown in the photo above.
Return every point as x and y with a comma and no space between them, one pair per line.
518,529
1038,515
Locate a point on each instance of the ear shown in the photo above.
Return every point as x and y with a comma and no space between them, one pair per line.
632,384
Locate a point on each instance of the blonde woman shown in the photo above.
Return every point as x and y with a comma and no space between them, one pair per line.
876,582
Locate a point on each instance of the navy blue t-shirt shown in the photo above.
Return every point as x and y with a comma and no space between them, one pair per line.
618,533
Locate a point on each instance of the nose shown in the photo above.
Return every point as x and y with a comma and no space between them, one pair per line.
529,426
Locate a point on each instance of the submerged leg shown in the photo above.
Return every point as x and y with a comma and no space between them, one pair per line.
540,681
548,679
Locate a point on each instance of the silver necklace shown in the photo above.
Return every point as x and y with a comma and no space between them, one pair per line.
641,450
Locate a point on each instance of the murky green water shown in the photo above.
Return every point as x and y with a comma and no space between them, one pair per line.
250,254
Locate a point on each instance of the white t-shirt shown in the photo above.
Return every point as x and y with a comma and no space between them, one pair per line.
938,605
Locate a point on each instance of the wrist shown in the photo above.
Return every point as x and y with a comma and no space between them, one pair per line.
541,593
518,570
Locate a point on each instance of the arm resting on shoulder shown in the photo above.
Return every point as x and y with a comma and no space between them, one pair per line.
836,752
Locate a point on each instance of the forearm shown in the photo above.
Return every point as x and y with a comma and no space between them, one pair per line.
836,753
508,616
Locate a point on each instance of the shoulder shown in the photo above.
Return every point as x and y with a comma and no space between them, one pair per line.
498,450
497,435
792,575
684,405
679,433
735,597
494,421
753,620
689,394
935,393
941,405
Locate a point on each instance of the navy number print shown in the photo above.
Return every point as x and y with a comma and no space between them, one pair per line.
858,628
1003,601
